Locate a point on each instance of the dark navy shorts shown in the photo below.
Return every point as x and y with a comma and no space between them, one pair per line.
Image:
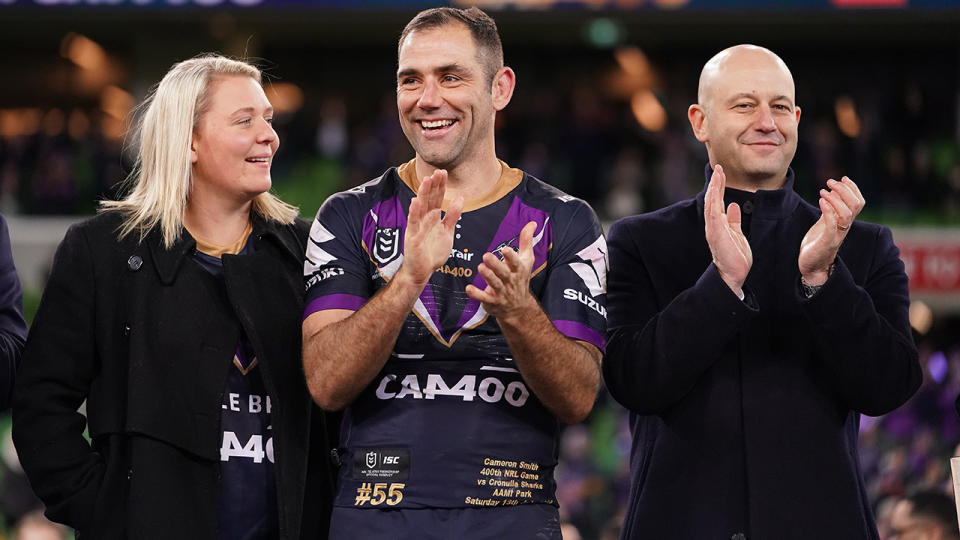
522,522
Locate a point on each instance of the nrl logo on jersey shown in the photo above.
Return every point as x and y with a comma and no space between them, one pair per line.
386,245
371,459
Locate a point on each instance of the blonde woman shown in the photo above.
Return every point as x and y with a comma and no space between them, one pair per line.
175,313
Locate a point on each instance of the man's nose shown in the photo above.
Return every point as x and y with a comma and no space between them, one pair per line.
430,98
764,121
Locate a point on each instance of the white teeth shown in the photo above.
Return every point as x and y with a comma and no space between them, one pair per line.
435,123
258,160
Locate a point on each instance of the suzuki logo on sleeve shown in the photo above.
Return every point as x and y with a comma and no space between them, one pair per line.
371,459
386,245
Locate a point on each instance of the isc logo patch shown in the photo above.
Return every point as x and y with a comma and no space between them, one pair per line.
381,464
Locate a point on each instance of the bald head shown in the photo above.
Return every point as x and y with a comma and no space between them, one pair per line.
733,60
746,116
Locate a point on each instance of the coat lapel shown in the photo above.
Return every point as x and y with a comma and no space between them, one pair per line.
167,261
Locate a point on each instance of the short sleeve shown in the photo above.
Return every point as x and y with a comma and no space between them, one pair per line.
336,268
575,293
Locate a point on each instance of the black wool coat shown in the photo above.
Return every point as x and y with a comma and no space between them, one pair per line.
745,415
146,337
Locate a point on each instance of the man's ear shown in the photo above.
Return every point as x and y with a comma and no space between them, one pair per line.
503,84
698,121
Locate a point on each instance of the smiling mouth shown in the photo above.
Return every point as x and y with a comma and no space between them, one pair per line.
764,142
435,124
258,160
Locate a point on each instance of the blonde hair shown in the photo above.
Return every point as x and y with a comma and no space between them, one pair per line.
162,175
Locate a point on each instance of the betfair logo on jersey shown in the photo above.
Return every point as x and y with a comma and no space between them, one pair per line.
456,270
462,255
386,245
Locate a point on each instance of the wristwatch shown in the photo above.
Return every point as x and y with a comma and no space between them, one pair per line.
810,290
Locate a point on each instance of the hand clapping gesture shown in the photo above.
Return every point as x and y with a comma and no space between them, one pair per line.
428,239
840,205
508,281
729,247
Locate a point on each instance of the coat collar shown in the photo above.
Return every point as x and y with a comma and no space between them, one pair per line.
168,261
767,204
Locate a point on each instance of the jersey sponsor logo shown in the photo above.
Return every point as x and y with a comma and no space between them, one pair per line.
254,404
455,271
255,448
489,389
386,244
589,301
593,268
326,273
464,255
381,464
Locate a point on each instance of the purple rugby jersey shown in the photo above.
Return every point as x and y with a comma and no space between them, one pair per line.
449,422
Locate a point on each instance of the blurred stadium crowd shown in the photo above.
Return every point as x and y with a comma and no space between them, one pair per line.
607,124
610,128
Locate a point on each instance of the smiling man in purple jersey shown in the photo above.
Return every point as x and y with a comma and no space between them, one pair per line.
455,308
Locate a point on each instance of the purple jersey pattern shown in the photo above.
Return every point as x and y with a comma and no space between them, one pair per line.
450,378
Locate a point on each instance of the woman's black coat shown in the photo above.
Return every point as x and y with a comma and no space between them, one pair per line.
146,337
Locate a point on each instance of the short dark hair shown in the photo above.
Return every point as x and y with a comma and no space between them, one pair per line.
482,27
935,506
